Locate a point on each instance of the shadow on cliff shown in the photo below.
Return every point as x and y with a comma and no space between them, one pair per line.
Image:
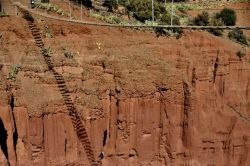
3,139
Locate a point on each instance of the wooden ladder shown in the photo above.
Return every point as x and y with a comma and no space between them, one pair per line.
74,116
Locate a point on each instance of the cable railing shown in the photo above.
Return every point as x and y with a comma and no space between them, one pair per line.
127,26
9,9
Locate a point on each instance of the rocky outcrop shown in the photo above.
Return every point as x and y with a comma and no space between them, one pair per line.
137,108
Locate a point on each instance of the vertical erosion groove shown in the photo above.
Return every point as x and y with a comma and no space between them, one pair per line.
186,109
3,139
74,116
215,68
15,134
105,133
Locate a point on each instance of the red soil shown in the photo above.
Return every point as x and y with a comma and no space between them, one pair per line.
162,101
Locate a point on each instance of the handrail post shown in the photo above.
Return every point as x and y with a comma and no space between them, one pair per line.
81,10
69,10
172,8
153,16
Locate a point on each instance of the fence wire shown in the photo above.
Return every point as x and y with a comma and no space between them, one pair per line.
9,9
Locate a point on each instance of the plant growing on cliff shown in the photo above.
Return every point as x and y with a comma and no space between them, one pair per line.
49,7
3,14
48,32
46,51
142,10
228,16
202,19
110,4
238,36
69,54
241,54
14,69
216,22
87,3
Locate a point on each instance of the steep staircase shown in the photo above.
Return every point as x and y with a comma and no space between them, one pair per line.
75,118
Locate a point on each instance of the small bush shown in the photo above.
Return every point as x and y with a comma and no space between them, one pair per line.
1,66
238,36
216,22
14,69
87,3
110,4
69,54
166,19
111,19
48,32
228,16
142,10
1,35
49,7
46,51
240,54
175,32
202,19
3,14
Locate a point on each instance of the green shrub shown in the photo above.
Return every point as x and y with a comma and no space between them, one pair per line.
238,36
110,4
111,19
14,69
3,14
46,51
142,9
216,22
49,7
228,16
166,19
48,32
202,19
175,32
240,54
87,3
69,54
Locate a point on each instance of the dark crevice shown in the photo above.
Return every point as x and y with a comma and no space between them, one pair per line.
162,89
12,102
15,137
15,134
100,157
105,133
117,103
193,77
131,155
103,66
216,67
187,108
110,107
65,146
3,139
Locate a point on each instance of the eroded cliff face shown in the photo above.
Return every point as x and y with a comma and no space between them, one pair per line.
144,101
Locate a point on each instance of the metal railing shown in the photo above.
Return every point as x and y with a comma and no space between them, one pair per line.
9,9
128,26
